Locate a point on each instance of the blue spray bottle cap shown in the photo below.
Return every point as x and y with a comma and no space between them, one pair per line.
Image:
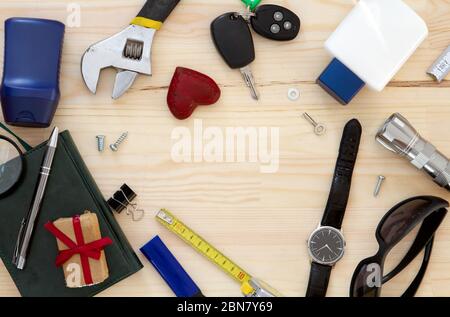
170,269
340,82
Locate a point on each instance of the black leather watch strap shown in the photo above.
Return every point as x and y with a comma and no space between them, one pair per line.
342,179
337,201
318,280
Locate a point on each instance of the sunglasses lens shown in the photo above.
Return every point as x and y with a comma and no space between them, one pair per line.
367,280
401,221
10,165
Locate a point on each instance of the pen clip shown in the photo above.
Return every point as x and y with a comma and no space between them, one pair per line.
19,243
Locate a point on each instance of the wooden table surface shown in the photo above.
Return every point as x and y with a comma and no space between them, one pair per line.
259,220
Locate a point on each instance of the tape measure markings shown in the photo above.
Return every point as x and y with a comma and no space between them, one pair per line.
202,246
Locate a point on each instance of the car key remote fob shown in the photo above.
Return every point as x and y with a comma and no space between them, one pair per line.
275,22
233,39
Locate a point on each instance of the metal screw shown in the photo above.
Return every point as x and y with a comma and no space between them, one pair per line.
100,142
380,181
115,146
319,128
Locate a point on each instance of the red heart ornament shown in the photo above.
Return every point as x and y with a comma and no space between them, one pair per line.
190,89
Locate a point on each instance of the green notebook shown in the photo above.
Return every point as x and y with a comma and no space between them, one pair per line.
70,190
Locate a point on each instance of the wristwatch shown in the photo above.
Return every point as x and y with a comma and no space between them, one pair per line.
326,244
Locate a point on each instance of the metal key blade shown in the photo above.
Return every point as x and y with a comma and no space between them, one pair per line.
250,81
233,40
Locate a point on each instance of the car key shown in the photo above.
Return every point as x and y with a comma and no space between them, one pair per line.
234,41
275,22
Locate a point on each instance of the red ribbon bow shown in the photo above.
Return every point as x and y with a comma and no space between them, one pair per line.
86,251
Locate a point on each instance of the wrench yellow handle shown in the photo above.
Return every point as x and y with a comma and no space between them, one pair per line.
147,23
154,13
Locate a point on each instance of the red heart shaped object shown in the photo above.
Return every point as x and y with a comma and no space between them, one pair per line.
190,89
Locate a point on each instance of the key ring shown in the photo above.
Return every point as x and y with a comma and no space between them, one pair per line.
245,15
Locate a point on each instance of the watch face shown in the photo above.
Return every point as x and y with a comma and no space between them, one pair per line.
326,245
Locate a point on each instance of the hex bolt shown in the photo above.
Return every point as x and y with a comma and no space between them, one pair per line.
100,142
115,146
380,181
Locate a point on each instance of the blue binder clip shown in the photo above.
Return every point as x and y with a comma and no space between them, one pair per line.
30,86
170,269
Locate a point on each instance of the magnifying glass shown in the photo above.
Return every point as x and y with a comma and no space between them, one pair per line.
11,164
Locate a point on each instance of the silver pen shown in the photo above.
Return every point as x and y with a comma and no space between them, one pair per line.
27,225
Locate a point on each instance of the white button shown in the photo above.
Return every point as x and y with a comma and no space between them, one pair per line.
278,16
287,25
275,28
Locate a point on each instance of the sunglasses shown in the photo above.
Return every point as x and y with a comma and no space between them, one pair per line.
396,225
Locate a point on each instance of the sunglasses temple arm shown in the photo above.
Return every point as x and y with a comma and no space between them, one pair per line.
417,246
412,289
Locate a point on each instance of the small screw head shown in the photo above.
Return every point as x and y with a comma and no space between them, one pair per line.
113,147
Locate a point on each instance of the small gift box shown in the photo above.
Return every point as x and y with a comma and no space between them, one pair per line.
80,248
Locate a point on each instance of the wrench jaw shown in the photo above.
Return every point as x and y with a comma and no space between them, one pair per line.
89,72
129,51
124,80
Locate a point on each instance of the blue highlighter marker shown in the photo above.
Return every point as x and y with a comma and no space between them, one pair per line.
170,269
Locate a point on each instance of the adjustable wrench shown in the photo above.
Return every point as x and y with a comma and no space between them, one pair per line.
129,51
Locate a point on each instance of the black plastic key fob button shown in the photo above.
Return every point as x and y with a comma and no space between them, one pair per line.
276,23
233,40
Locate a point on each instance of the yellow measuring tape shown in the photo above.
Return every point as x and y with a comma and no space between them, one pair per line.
203,247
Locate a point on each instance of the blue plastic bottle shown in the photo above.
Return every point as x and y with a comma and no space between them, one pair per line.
30,86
